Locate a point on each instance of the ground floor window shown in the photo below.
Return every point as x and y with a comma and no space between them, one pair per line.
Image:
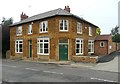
79,46
90,46
43,46
19,46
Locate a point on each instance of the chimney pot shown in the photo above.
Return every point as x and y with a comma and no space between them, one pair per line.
67,8
23,16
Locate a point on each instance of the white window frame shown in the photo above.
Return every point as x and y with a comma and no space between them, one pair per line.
30,28
46,26
79,28
90,31
103,44
19,30
63,25
80,47
18,46
38,46
91,42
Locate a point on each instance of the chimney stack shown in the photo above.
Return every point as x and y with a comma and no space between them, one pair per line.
23,16
67,8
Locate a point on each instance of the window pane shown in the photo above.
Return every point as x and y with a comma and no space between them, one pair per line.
20,50
81,50
46,24
78,40
61,27
61,24
16,47
30,28
41,50
20,45
41,40
17,50
66,28
41,46
45,40
19,30
45,45
20,41
77,50
65,24
45,51
41,30
78,46
43,26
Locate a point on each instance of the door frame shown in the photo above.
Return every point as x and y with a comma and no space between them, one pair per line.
29,49
58,50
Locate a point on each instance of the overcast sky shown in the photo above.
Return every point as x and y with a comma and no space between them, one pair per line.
103,13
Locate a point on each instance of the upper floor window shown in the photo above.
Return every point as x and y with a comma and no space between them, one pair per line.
63,25
19,46
79,28
43,26
30,29
90,31
19,30
102,44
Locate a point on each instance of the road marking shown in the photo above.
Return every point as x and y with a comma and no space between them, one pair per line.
32,69
9,66
102,79
53,72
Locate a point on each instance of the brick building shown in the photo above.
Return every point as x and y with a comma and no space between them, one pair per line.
54,35
104,45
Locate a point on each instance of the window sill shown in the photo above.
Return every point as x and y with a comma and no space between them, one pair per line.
42,54
90,35
79,54
43,32
90,52
79,33
18,52
63,31
19,35
29,33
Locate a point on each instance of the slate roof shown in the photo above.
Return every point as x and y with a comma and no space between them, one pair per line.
59,11
103,38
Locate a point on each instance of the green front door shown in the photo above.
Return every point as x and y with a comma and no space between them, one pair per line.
30,48
63,52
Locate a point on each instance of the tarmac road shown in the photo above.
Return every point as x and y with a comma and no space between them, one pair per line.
22,71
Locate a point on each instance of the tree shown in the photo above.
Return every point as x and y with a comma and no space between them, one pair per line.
115,35
116,38
98,31
114,31
7,21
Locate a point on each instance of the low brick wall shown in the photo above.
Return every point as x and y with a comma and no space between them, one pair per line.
43,58
85,59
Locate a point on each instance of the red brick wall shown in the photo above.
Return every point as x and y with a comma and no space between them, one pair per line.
105,50
101,50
